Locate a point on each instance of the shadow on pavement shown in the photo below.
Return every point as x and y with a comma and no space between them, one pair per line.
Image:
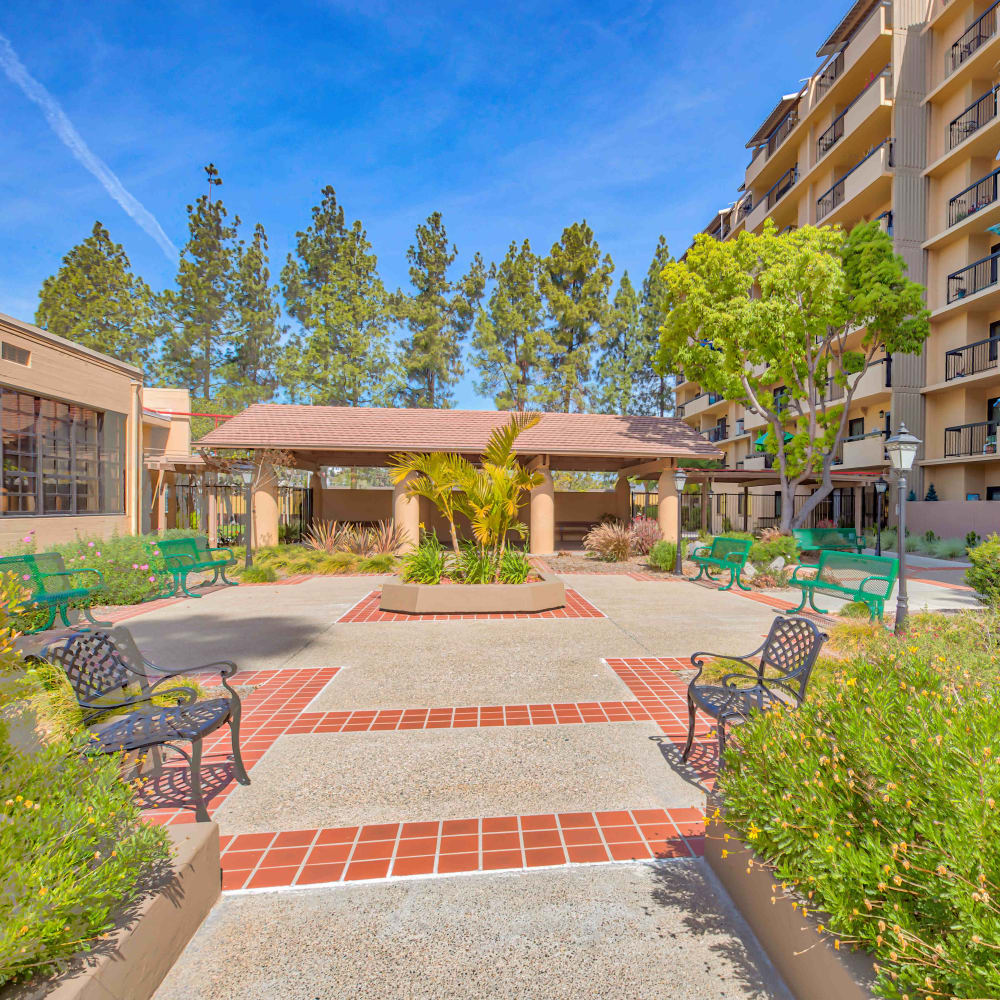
699,768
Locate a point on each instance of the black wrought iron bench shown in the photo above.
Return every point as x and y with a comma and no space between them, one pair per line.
107,671
780,676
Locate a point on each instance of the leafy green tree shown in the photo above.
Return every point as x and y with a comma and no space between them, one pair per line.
505,347
574,280
197,346
94,299
249,372
332,287
651,387
438,314
773,321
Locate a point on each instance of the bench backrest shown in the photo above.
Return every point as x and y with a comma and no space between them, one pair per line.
182,547
818,537
850,570
29,568
790,651
92,663
722,548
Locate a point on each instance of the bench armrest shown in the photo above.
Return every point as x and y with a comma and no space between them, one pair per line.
735,557
872,580
180,560
185,695
698,549
804,579
699,659
76,572
224,667
223,549
726,678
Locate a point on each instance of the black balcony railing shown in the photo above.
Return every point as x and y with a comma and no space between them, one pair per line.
780,134
971,439
743,209
829,75
973,198
718,433
979,32
973,278
971,359
981,112
885,221
782,186
832,197
825,142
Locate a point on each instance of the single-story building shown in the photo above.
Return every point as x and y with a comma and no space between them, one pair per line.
318,437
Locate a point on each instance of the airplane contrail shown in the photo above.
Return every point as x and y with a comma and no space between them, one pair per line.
65,130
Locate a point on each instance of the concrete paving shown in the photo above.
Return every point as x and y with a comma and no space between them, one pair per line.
346,779
618,932
427,664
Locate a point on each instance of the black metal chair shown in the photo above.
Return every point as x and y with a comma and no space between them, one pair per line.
107,671
780,677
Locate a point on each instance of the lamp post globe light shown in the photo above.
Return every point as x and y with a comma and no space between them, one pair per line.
680,478
902,448
246,474
880,487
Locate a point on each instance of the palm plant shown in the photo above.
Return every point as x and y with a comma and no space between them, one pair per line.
488,496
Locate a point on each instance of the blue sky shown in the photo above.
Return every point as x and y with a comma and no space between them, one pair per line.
512,119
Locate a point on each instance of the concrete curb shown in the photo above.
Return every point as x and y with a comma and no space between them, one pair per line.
806,960
144,947
484,598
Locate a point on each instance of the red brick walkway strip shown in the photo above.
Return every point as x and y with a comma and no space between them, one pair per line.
367,610
499,843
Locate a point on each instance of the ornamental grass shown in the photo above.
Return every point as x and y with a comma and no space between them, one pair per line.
877,802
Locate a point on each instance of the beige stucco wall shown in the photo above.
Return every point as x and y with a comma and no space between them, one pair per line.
50,531
953,518
176,438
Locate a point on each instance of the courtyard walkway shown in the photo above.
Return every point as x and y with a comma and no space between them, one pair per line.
461,808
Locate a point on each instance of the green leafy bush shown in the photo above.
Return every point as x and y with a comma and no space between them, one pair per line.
877,802
972,539
74,849
763,553
426,563
984,573
663,556
514,566
259,573
384,562
948,548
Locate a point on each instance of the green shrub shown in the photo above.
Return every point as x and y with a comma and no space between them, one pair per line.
475,565
384,562
663,556
514,566
984,573
972,539
948,548
426,563
259,573
763,553
877,803
73,846
855,609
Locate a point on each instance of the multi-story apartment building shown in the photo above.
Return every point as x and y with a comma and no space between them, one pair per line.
899,123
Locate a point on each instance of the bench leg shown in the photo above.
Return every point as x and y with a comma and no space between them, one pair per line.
213,581
701,571
720,725
690,739
732,580
812,603
64,615
234,731
48,624
184,587
226,580
200,812
740,583
93,621
802,603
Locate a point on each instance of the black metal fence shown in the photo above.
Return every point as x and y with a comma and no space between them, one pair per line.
973,277
229,504
982,111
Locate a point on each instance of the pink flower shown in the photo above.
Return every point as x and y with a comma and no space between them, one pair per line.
25,577
97,553
27,538
152,579
144,566
90,545
135,565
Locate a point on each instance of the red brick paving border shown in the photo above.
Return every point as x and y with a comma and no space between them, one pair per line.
367,610
499,843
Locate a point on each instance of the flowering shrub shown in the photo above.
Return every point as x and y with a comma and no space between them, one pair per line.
73,847
645,534
877,802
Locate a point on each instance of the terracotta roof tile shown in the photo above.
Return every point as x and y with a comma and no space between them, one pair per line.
371,429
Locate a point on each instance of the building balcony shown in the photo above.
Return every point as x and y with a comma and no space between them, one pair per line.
971,134
968,440
717,433
863,452
971,40
973,278
852,121
875,381
972,359
861,180
971,55
758,463
699,403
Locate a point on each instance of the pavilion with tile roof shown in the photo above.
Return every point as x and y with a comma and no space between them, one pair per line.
314,437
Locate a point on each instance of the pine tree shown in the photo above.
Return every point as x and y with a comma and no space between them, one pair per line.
438,314
652,392
931,493
249,372
574,281
95,300
625,355
505,345
200,307
333,289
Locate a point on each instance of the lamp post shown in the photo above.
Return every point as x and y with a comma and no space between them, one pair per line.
902,448
246,473
680,478
880,487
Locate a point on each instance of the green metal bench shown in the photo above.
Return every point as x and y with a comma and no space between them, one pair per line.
725,554
868,579
52,587
182,556
822,539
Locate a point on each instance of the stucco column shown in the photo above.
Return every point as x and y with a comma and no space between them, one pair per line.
704,506
211,514
667,512
316,486
406,514
859,510
623,499
160,501
171,483
265,505
542,516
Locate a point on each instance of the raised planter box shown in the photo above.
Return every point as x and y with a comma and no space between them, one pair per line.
472,598
146,943
812,968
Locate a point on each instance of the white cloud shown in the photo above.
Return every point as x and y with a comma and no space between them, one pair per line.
71,138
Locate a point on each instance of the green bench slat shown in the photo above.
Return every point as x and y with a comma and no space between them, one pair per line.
724,553
181,556
51,586
868,579
820,539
